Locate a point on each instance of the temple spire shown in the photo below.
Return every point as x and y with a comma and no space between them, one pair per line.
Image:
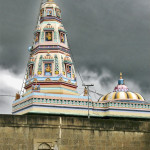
121,80
50,61
120,75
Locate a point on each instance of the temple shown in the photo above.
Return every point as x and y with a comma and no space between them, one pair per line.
51,84
50,73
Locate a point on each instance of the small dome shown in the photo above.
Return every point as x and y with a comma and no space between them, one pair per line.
68,59
122,96
121,92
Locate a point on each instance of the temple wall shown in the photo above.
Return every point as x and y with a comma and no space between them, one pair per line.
72,133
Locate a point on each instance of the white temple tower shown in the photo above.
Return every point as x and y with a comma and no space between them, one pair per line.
50,70
50,66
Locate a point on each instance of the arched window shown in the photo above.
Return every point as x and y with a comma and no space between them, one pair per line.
62,37
49,11
44,146
68,70
30,70
49,32
48,61
37,37
42,12
48,69
58,13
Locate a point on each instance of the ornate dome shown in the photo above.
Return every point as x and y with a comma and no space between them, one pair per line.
121,92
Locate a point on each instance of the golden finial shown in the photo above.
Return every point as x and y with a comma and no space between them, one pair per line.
120,75
50,0
85,91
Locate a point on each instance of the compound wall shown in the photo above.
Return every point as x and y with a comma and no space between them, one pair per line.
73,133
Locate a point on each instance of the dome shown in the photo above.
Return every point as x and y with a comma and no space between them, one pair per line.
67,59
122,96
121,92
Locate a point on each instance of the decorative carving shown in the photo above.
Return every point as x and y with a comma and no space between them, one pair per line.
42,36
49,56
34,66
69,81
68,70
56,65
63,65
48,80
48,27
39,72
58,13
40,66
55,36
61,80
17,96
73,73
62,37
35,80
37,37
36,87
30,70
67,60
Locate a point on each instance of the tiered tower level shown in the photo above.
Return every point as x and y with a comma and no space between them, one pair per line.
50,69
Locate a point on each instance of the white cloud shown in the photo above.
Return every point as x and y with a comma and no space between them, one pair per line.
10,79
9,85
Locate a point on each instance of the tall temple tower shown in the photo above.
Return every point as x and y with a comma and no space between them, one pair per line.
50,70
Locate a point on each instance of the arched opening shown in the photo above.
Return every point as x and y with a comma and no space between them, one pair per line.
44,146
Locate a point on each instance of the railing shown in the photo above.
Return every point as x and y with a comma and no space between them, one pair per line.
84,104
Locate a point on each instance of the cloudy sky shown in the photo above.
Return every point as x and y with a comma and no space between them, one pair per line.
106,37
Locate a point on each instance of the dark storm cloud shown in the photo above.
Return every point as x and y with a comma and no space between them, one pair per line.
17,22
103,34
111,34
